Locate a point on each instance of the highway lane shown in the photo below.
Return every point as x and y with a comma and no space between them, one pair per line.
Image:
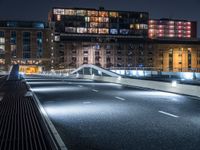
104,116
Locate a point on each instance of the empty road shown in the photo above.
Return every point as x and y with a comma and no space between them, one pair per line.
92,115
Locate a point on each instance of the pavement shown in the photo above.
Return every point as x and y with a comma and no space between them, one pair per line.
92,115
21,124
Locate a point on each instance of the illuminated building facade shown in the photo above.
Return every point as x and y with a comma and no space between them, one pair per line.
107,38
175,55
92,21
169,28
102,37
120,39
25,43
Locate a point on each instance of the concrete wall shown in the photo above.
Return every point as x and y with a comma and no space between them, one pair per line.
144,73
180,88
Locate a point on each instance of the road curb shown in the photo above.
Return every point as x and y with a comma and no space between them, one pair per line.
58,142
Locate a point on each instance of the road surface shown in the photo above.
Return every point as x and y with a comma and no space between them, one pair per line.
91,115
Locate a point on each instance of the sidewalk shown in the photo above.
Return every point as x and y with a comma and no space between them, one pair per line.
21,123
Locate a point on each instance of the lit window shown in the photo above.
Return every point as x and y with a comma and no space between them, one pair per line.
2,61
92,30
87,19
93,24
70,29
103,13
124,31
94,19
59,11
113,31
92,13
114,14
103,19
81,12
81,30
137,26
2,40
58,18
151,21
56,38
70,12
188,36
103,31
188,27
2,49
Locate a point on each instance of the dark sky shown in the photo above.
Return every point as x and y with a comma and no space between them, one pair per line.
38,9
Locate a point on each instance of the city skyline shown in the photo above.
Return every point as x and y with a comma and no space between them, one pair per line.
178,9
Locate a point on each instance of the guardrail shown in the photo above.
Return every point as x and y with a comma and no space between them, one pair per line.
157,69
172,87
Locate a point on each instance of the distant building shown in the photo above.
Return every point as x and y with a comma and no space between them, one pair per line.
175,55
171,28
107,38
25,43
100,37
99,22
120,39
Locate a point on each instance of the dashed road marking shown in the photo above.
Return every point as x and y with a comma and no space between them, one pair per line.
168,114
120,98
87,102
95,90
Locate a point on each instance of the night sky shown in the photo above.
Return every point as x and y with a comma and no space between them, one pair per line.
38,9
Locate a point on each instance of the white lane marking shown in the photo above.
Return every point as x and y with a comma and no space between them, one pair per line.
95,90
166,113
120,98
87,102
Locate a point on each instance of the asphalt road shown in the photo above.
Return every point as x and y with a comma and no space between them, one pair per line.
92,115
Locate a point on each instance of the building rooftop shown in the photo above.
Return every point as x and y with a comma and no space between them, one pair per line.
23,24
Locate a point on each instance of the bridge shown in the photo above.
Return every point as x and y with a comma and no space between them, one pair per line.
91,108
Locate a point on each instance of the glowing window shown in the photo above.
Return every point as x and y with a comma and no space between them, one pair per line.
103,19
114,14
2,61
80,12
59,11
113,31
70,12
103,31
94,19
70,29
58,18
2,40
93,24
124,31
87,19
81,30
2,49
92,30
103,13
92,13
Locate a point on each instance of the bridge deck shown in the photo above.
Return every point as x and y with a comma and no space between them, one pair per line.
21,126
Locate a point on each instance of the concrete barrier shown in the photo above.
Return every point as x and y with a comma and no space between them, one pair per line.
191,90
